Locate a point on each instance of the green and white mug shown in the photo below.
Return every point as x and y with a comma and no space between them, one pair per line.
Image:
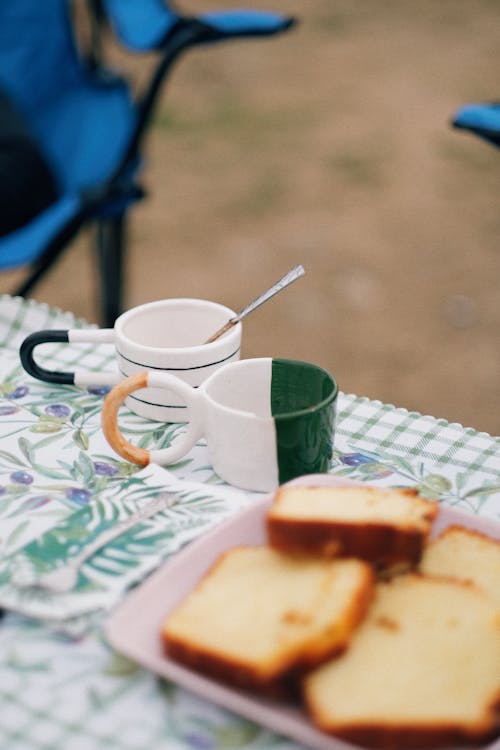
265,420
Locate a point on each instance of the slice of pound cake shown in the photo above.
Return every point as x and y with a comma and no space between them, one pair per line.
381,525
466,554
423,669
259,616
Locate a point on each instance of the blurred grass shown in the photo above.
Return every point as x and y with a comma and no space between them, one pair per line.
360,167
228,115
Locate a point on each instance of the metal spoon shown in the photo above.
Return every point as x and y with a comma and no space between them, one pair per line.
64,579
291,276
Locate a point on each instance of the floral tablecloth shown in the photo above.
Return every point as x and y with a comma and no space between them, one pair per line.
61,686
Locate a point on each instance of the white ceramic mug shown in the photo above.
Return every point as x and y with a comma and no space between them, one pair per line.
166,336
265,420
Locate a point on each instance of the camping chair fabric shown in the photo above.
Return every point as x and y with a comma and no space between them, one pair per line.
140,26
88,126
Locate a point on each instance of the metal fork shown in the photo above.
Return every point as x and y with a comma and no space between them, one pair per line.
65,577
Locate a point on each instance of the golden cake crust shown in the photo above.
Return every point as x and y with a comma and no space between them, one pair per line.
381,541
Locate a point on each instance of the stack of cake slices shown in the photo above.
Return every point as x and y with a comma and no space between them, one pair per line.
389,639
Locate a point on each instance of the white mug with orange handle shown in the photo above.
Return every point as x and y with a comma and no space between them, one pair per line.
265,420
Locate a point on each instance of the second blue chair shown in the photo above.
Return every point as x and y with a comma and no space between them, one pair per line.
482,120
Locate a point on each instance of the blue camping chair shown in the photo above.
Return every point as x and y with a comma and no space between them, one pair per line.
89,126
481,119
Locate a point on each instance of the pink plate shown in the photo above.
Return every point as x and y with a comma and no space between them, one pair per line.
134,627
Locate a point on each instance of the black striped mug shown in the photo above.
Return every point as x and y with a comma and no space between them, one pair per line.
166,336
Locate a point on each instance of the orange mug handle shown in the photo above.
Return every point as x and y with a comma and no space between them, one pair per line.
140,456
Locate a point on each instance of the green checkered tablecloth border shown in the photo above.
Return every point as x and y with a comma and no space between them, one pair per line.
19,318
382,427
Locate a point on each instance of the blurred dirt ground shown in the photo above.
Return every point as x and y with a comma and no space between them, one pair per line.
331,147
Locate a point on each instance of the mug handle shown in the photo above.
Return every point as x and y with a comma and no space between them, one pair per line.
71,336
191,397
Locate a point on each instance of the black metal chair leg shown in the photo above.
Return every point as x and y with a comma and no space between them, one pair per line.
111,257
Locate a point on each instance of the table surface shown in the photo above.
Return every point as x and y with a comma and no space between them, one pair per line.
61,685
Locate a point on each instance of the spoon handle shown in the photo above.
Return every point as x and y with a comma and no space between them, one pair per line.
287,279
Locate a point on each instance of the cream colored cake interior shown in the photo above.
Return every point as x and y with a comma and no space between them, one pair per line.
259,606
417,629
461,554
351,504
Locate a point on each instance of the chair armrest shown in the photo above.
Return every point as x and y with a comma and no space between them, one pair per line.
240,23
141,25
